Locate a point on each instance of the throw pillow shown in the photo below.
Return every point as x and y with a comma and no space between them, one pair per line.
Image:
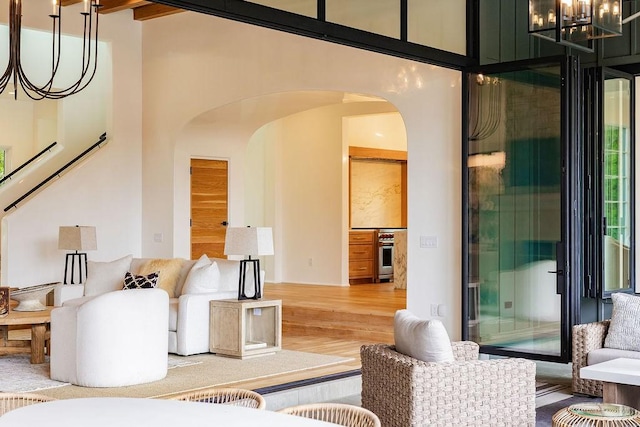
204,277
169,271
624,329
105,277
425,340
134,281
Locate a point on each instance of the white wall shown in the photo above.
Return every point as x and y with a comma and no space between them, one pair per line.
211,62
106,190
385,131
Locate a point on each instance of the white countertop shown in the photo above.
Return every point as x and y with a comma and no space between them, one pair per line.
620,371
123,412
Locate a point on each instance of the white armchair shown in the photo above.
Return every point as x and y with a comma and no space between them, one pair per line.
114,339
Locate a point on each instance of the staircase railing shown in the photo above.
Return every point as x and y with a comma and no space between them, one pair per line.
27,163
59,172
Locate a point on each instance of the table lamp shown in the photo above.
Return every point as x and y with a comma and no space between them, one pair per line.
76,238
249,241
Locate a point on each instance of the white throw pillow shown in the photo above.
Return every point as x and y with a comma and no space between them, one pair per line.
425,340
105,277
204,277
624,329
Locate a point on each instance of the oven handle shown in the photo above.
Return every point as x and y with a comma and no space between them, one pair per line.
385,243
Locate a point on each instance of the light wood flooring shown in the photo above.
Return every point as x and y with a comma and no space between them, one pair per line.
332,320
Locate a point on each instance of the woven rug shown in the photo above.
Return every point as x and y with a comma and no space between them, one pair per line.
192,373
20,376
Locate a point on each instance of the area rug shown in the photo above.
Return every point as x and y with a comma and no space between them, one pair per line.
202,371
20,376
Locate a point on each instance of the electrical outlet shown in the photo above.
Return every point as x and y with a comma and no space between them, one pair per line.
310,262
434,310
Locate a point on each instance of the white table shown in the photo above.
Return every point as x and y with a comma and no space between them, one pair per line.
125,412
621,380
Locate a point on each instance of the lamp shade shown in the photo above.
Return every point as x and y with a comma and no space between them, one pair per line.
77,238
251,241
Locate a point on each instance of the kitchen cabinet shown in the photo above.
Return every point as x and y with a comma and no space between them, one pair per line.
362,256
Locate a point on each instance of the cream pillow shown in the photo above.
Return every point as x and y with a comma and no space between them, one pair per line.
105,277
204,277
624,329
169,272
425,340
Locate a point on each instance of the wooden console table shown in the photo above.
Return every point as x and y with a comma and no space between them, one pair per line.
39,322
245,328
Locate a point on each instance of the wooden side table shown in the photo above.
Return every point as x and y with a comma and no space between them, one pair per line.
596,415
38,321
245,328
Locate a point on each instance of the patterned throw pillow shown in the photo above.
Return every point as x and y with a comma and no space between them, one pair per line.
133,281
624,330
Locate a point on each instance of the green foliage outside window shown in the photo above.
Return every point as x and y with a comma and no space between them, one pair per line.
615,189
2,157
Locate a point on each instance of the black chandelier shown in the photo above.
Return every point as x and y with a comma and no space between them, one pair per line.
575,23
14,72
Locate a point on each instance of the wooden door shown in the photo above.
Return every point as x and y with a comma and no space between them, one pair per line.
209,195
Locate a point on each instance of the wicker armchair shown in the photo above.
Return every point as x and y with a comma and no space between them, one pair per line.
586,337
406,392
226,396
11,401
337,413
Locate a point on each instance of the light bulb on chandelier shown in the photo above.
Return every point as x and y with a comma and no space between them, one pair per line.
14,72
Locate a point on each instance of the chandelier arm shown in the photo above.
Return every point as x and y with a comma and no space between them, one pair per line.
86,63
476,113
486,127
32,90
89,61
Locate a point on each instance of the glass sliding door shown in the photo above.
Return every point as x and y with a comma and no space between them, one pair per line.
616,188
516,205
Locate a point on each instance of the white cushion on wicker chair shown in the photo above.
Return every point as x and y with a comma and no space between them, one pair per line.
425,340
604,354
624,330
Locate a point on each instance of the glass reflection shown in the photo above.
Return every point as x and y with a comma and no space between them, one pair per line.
515,210
617,184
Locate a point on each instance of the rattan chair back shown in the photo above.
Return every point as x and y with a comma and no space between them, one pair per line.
226,396
337,413
11,401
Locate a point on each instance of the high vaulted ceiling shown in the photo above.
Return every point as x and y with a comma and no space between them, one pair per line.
142,10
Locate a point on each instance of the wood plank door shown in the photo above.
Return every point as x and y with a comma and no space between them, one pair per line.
209,204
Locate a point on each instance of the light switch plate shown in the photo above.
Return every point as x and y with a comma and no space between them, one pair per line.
428,242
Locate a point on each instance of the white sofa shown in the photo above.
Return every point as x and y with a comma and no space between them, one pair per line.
111,340
188,323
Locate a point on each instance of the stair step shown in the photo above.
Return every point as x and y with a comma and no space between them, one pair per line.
353,334
298,320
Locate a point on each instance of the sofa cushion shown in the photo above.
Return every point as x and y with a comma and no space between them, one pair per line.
203,278
134,281
105,277
173,314
425,340
169,270
600,355
624,330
